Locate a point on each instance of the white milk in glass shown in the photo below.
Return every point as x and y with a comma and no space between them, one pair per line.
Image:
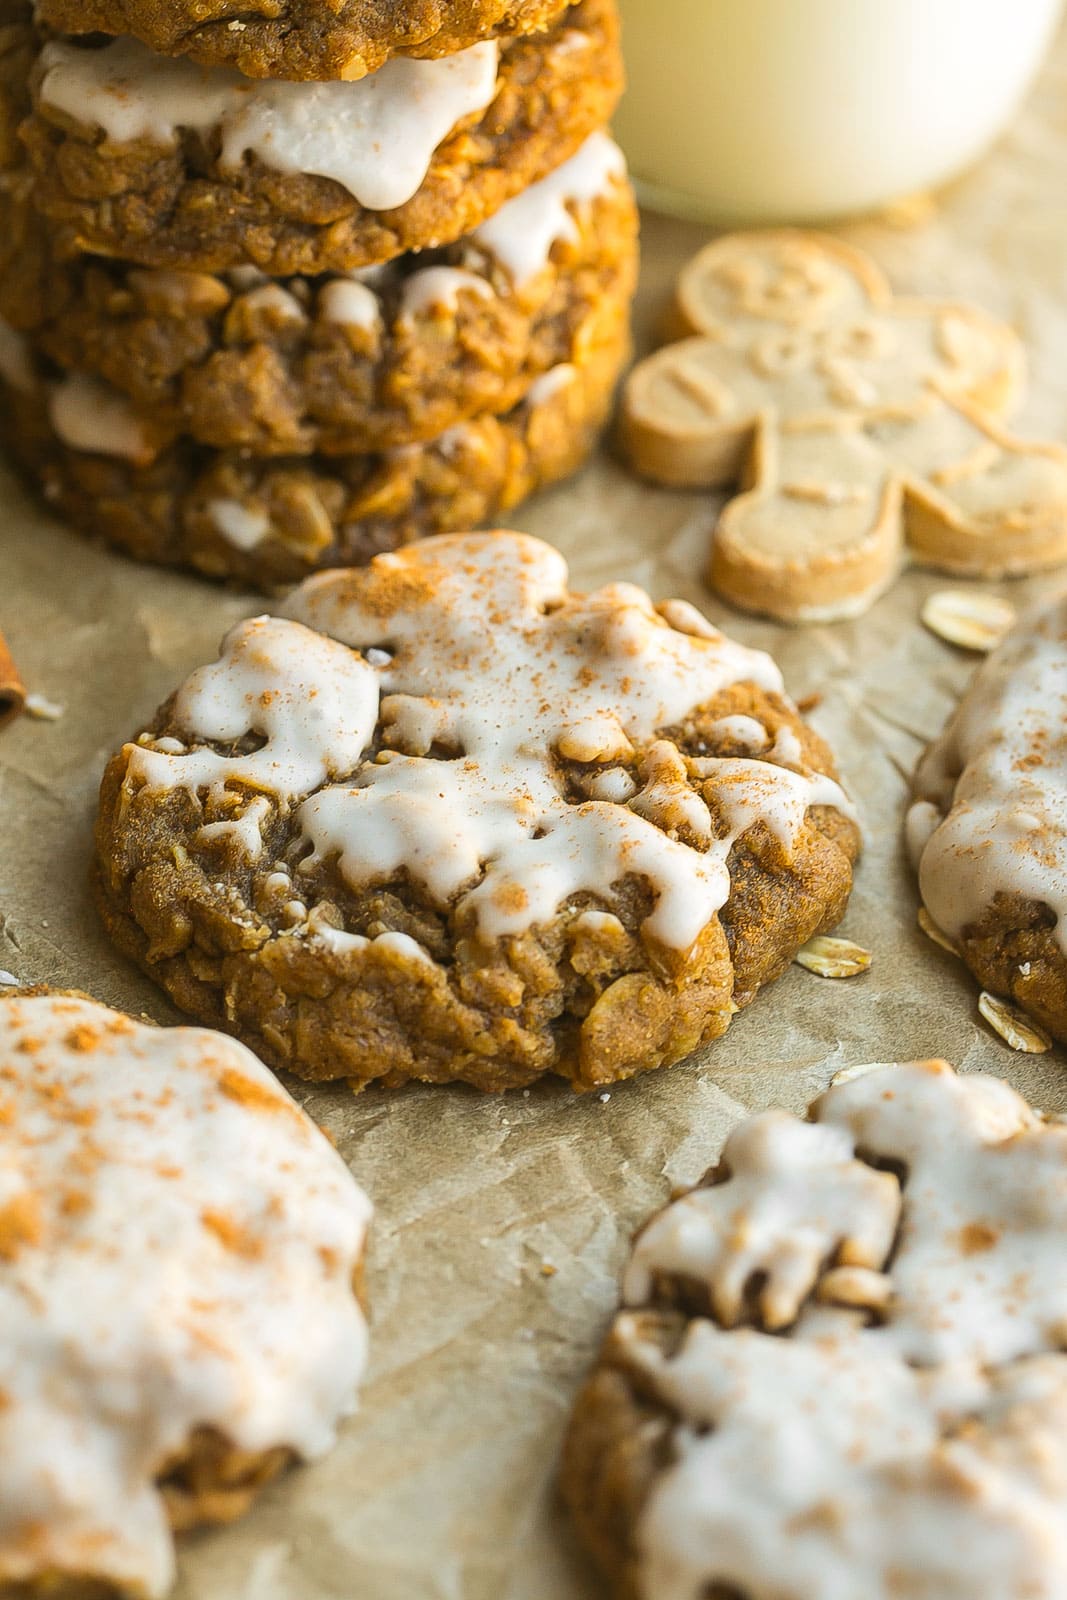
792,110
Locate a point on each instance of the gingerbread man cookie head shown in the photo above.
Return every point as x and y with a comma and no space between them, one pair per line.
859,428
774,278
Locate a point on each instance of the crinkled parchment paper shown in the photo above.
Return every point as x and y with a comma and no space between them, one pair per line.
502,1221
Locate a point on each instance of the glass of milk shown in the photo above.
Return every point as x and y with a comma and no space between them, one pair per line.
763,111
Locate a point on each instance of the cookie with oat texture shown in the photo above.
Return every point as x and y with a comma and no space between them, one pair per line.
840,1368
447,819
180,1259
268,521
163,163
304,38
337,364
987,829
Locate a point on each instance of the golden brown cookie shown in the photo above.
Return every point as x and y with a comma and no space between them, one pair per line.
988,827
860,428
268,522
166,164
446,819
337,364
180,1255
840,1366
303,38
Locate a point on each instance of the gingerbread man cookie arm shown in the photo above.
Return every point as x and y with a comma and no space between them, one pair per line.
686,421
728,287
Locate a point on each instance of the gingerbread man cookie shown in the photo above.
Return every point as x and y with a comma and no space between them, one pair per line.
861,428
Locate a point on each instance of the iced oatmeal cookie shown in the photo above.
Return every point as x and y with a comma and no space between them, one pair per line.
116,476
446,819
179,1253
988,827
168,164
303,38
392,356
841,1369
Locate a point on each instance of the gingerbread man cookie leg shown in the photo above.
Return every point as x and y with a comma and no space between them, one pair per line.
861,428
825,479
978,500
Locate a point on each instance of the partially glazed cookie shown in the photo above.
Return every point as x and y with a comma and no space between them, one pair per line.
179,1254
988,827
269,521
164,163
841,1369
447,819
303,38
340,364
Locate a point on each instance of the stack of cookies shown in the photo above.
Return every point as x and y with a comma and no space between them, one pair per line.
284,285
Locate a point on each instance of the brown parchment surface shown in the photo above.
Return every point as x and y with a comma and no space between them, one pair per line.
502,1222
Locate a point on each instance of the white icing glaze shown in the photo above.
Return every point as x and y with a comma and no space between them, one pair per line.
521,234
550,383
491,657
337,940
610,783
177,1245
16,362
490,671
794,1198
823,1470
376,137
88,414
787,748
974,1277
348,301
438,289
745,731
313,702
239,526
246,831
271,297
996,782
922,1453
